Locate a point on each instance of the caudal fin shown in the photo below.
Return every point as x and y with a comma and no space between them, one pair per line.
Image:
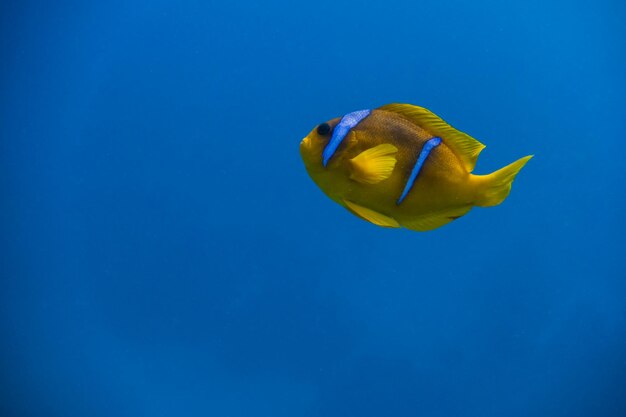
492,189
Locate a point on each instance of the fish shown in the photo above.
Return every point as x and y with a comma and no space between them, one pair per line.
401,165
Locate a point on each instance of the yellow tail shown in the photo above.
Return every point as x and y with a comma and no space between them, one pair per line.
492,189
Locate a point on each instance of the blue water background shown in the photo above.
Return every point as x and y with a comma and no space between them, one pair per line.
164,253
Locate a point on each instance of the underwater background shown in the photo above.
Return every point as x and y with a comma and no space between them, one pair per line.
164,252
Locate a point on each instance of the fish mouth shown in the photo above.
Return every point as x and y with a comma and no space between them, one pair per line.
305,144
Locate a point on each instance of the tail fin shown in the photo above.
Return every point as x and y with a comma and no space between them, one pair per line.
495,187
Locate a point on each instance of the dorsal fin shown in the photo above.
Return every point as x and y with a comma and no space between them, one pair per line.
465,147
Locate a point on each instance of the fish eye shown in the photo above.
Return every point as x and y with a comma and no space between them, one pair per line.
323,129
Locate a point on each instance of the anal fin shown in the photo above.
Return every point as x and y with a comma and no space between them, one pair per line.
435,220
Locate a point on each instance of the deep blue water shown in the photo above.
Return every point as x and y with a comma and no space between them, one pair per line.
164,252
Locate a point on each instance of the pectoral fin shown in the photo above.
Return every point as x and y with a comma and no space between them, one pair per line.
373,165
371,215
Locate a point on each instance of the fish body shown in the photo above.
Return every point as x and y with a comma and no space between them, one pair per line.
401,165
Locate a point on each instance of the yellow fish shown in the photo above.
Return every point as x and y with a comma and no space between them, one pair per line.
402,165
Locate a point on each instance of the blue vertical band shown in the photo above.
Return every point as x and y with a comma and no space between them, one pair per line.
428,146
346,123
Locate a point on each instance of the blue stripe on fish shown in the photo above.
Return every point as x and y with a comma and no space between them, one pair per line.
428,146
346,123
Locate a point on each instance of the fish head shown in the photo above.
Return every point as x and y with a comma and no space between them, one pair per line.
312,150
312,146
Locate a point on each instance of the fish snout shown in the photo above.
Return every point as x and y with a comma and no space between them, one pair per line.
305,144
